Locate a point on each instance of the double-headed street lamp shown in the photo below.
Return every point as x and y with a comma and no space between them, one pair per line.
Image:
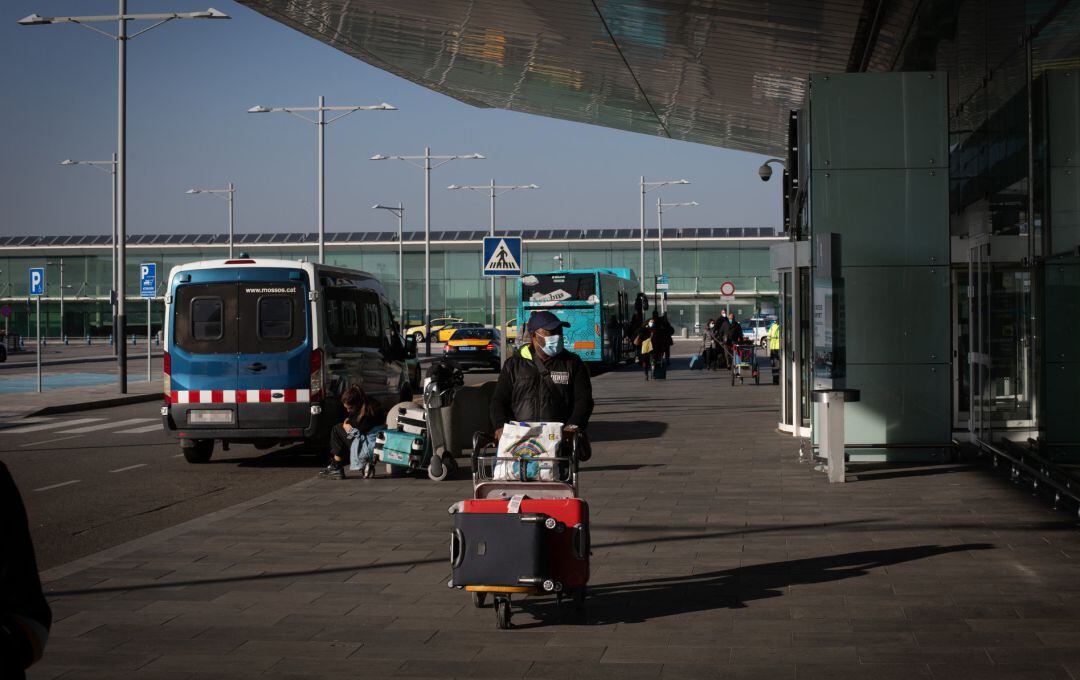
660,242
321,122
109,167
493,190
400,212
645,187
228,193
427,167
121,38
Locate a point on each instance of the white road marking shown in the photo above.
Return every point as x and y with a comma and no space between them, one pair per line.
179,455
48,441
57,486
50,425
129,467
16,422
141,430
105,426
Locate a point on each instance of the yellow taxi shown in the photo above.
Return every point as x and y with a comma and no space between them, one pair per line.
511,330
473,348
419,332
444,333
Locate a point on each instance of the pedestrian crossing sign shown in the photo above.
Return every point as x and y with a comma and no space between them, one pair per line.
502,256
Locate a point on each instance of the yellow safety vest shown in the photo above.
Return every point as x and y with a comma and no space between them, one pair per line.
774,337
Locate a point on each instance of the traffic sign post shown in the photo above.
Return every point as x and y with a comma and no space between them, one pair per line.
148,288
502,258
727,291
37,289
662,285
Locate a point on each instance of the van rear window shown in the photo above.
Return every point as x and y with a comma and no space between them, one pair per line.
206,318
275,318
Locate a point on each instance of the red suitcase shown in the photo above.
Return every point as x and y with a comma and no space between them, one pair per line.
569,549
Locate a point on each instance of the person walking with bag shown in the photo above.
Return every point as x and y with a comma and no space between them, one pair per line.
646,346
543,381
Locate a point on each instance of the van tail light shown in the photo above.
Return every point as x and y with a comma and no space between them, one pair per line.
489,346
166,379
316,375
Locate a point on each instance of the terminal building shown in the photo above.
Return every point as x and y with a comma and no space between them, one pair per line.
697,260
931,157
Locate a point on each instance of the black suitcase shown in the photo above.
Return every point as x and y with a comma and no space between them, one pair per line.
498,549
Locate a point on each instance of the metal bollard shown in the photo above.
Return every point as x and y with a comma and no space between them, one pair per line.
110,340
831,423
133,340
88,340
66,340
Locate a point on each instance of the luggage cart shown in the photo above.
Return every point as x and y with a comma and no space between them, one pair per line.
742,357
429,450
555,504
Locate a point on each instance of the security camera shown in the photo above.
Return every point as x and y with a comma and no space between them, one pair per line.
764,172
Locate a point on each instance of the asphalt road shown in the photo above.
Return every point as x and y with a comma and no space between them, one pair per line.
94,479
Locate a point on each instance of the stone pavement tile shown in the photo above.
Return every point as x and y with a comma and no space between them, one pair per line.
243,633
210,663
796,655
561,670
814,671
420,652
292,649
371,636
356,667
1027,671
115,674
425,668
687,671
95,660
906,655
670,653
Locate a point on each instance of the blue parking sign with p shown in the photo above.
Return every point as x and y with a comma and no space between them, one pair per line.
37,280
148,279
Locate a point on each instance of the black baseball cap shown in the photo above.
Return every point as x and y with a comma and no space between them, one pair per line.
547,321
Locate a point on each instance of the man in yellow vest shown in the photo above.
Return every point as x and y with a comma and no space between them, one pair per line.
774,350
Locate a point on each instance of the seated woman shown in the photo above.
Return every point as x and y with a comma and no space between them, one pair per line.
363,420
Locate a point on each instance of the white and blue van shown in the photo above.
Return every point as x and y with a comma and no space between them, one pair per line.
259,351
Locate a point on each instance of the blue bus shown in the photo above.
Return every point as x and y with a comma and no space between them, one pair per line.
598,304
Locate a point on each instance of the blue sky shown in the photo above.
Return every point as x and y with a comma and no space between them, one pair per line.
190,83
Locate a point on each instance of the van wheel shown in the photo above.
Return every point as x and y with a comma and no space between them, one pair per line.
764,343
198,451
418,337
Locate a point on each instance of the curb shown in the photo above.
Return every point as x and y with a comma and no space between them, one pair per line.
92,405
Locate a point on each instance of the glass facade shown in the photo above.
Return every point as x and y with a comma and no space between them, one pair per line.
696,268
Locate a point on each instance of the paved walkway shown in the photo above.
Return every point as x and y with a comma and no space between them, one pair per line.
715,555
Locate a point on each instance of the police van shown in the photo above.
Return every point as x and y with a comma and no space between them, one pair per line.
259,351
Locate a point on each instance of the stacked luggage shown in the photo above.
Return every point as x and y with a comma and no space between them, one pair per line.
414,438
522,533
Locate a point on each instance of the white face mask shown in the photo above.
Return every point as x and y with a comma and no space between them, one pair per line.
553,344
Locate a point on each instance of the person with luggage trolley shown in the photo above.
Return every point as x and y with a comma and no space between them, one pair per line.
543,381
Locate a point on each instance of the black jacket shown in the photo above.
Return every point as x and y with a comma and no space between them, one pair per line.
562,396
25,617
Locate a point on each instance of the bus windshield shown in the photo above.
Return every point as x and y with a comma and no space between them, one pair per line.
553,289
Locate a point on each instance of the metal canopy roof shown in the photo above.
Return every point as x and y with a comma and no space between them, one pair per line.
355,237
720,72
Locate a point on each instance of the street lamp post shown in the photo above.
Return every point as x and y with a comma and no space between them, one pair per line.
111,165
121,38
400,212
645,187
320,122
660,244
228,193
427,167
493,190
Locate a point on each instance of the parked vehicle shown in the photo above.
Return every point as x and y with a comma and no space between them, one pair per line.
597,303
473,348
419,332
444,333
260,350
756,329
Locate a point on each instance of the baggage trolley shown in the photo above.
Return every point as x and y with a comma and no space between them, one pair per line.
742,358
553,504
428,451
